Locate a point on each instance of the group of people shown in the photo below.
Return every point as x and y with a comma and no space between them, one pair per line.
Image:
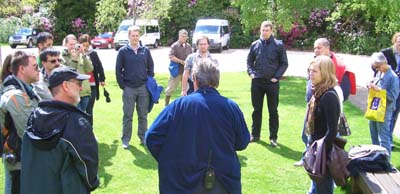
46,108
46,115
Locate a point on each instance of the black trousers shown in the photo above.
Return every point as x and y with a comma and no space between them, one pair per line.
261,87
15,181
191,87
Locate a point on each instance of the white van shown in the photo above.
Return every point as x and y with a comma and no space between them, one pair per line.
150,31
217,31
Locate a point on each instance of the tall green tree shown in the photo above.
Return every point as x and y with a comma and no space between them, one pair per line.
67,11
109,14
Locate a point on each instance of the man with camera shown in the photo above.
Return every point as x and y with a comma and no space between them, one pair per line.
74,56
16,104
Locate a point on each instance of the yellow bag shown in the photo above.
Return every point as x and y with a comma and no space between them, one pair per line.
376,105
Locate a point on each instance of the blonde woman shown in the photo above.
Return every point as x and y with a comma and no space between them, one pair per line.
323,113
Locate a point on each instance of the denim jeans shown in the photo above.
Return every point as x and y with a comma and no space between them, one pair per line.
7,180
92,100
325,186
135,96
261,87
380,132
394,118
83,104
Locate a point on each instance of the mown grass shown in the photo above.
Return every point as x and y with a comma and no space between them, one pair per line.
264,169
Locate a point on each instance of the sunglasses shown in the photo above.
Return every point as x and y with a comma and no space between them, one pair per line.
79,82
55,60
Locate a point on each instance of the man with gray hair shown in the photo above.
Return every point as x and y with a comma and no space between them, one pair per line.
195,139
179,51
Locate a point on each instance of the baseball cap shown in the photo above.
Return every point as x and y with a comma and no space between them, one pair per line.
61,74
378,57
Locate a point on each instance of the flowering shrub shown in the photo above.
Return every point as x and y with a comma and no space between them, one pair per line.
296,33
78,25
317,18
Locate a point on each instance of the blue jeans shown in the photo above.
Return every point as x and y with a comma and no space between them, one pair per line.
135,96
325,186
380,132
83,104
394,118
7,180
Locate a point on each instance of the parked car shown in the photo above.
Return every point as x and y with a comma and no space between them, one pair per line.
24,36
105,40
150,33
217,30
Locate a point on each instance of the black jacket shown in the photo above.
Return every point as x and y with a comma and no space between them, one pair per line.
98,71
267,59
391,59
59,147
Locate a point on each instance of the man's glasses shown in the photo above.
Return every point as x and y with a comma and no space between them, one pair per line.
55,60
79,82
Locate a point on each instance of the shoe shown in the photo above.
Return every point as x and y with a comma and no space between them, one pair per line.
125,145
298,163
254,139
273,143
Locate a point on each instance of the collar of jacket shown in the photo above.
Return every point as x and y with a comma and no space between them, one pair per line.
205,90
12,80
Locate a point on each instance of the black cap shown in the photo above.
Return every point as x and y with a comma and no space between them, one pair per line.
61,74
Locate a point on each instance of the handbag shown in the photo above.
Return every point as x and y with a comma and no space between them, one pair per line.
337,162
173,69
376,105
343,126
314,161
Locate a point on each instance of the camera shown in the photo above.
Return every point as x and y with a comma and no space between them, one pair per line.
10,158
78,46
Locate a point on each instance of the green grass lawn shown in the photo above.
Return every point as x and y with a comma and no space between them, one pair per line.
264,169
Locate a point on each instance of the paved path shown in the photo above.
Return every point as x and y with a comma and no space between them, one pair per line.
234,60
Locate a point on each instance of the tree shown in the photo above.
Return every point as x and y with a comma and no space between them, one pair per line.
109,14
67,11
281,12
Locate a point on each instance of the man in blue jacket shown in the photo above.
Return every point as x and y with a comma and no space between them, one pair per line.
266,63
134,64
199,134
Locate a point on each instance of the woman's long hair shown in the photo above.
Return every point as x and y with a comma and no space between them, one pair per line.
328,80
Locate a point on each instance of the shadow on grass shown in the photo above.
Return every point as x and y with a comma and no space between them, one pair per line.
106,152
143,159
242,160
282,150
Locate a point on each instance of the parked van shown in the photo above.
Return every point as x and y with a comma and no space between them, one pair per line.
217,31
150,33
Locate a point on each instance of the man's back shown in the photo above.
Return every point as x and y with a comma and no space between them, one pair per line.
202,128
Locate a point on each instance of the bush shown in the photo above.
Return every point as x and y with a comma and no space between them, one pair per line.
8,27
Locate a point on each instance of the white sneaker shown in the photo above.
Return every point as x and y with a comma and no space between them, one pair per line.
125,145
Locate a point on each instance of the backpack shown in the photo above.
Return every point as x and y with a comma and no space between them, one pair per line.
10,141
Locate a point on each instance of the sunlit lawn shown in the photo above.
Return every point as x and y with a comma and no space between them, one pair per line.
264,169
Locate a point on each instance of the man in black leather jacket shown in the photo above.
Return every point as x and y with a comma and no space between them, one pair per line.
266,63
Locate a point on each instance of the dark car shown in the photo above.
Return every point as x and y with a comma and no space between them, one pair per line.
105,40
24,36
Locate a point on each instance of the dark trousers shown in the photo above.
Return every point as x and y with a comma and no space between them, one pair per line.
15,181
191,87
89,109
259,88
